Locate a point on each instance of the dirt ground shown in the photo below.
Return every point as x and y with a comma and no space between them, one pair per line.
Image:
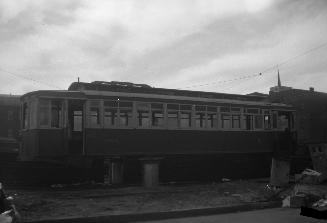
81,200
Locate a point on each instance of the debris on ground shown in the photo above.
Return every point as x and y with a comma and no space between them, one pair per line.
322,203
317,210
304,195
60,202
309,176
8,212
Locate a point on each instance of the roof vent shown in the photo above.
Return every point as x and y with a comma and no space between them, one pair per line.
122,84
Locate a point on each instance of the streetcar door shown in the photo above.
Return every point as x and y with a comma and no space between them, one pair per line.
285,121
76,126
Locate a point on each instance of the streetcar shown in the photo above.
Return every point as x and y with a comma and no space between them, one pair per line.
194,134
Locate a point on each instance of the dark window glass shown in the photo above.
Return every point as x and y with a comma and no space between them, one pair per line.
125,117
143,110
274,121
212,120
248,122
186,119
125,112
236,122
143,118
235,109
125,104
172,119
111,103
110,116
186,107
211,109
56,113
225,121
25,117
156,106
200,119
224,109
95,116
200,108
157,118
266,121
173,106
252,110
258,121
44,112
283,121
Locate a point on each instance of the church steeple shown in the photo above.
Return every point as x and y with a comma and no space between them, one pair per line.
279,86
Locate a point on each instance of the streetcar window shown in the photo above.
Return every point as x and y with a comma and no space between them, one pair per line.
110,116
252,110
185,116
186,120
258,122
283,121
236,121
56,113
199,119
172,115
274,121
125,116
125,113
110,104
25,115
200,116
212,109
224,109
212,120
266,121
143,110
249,122
212,117
157,118
235,109
95,116
78,120
172,106
110,113
44,112
225,121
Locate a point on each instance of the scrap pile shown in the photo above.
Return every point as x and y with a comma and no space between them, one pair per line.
310,191
8,212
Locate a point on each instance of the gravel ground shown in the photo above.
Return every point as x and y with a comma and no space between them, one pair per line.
48,203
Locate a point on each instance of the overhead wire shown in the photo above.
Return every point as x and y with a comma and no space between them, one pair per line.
196,85
29,79
262,72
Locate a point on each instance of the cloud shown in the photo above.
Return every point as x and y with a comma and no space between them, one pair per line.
163,43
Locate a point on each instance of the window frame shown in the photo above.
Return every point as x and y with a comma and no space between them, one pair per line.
97,104
148,124
130,117
172,111
39,109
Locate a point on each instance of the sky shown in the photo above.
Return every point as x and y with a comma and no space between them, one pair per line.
204,45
